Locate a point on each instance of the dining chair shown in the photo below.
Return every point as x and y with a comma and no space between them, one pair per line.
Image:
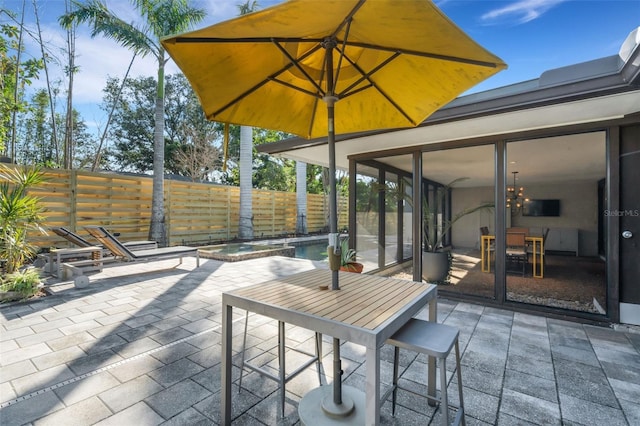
484,230
432,339
545,233
282,378
518,229
516,252
544,241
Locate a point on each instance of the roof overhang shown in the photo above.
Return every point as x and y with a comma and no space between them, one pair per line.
602,109
592,92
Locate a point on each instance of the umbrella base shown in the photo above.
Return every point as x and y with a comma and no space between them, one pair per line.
313,407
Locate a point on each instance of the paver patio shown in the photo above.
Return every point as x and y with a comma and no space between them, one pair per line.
141,346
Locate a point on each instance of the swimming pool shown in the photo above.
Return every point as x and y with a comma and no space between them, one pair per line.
316,250
312,249
235,252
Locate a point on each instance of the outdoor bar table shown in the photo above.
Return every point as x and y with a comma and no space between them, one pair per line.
366,310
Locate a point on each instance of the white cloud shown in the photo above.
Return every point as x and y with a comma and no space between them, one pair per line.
219,10
523,11
98,59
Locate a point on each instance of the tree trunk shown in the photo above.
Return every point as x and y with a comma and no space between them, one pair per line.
245,228
68,139
96,160
326,192
157,227
15,90
71,53
301,198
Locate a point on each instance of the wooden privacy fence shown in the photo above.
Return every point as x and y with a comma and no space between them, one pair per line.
195,213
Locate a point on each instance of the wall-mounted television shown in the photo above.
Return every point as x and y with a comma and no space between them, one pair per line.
541,208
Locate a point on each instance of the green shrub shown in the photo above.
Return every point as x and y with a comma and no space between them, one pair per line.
24,282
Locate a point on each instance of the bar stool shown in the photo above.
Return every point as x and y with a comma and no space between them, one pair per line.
282,378
435,340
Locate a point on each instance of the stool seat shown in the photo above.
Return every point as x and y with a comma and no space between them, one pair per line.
435,340
425,337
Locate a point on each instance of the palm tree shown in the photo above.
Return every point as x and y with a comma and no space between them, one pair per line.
245,226
161,18
301,198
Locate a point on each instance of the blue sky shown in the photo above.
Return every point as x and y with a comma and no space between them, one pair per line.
531,36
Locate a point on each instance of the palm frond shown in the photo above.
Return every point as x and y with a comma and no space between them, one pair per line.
104,22
433,238
166,17
432,234
20,212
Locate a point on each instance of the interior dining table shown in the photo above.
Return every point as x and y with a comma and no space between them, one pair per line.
366,310
537,244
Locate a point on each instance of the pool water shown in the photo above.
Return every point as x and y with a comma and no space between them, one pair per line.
241,248
235,252
315,251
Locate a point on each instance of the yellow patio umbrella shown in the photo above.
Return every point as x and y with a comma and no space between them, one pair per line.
313,68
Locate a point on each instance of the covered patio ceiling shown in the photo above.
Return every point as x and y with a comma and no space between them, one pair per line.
575,157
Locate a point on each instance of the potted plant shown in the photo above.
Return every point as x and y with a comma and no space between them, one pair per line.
20,212
436,259
348,258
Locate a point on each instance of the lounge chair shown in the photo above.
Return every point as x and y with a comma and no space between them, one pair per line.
121,254
79,241
82,250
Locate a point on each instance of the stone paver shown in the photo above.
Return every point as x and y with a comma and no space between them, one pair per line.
129,393
141,345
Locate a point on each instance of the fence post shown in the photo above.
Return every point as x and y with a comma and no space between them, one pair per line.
73,199
273,213
228,214
167,212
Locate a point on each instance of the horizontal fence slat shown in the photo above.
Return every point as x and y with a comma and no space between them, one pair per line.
196,213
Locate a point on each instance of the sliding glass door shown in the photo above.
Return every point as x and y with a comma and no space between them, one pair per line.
463,212
555,206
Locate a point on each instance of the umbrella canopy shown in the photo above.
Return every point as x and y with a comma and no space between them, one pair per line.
394,63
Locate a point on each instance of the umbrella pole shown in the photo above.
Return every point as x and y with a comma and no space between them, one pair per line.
335,406
330,99
333,198
339,407
333,228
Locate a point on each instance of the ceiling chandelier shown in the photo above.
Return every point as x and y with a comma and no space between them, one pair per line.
515,195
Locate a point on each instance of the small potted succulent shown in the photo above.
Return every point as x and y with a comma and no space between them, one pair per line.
348,258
